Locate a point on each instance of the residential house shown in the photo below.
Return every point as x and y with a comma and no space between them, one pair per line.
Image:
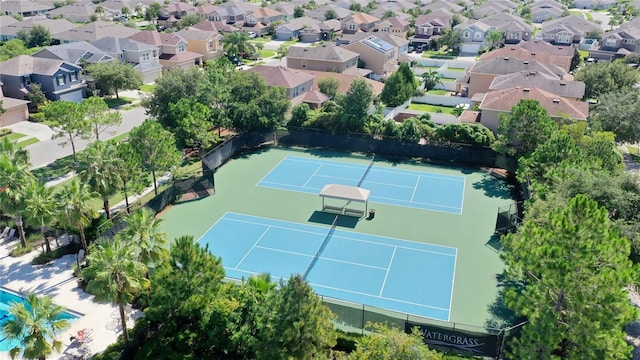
323,58
80,12
264,16
286,9
378,56
293,29
429,25
94,31
173,49
538,50
25,8
474,32
9,30
144,58
298,85
618,42
321,12
359,22
80,53
434,6
400,43
545,10
227,14
594,4
569,30
501,102
492,8
479,77
59,80
203,42
15,110
7,20
572,90
394,26
177,10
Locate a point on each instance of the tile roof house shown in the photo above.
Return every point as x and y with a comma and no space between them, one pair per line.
572,90
568,30
178,10
378,56
143,57
479,77
203,42
9,30
545,10
359,22
535,50
94,31
618,42
15,110
294,29
431,24
60,80
173,49
491,8
474,32
501,102
79,12
298,85
264,16
79,53
25,7
319,13
394,26
322,58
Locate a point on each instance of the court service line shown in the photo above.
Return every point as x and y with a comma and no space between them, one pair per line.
312,175
383,298
389,268
254,245
415,188
279,227
396,246
453,279
321,257
272,169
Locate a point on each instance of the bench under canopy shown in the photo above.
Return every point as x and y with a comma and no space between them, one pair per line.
347,193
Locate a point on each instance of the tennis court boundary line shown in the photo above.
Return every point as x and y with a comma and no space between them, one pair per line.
321,258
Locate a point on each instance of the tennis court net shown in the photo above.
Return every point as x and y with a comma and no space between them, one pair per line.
364,175
322,246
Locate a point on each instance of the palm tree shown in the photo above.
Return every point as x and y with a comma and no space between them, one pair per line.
430,79
39,207
74,200
98,168
261,283
14,176
35,326
493,38
143,230
118,276
282,51
100,11
236,43
138,9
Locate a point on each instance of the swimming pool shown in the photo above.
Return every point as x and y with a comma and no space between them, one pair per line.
6,299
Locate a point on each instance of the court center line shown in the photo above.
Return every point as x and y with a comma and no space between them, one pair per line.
321,257
415,188
398,246
389,268
381,297
312,175
254,245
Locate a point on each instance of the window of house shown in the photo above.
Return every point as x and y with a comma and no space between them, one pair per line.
466,34
73,77
60,79
211,44
610,42
182,48
629,41
304,64
145,56
385,29
26,80
477,35
514,35
155,53
353,27
302,88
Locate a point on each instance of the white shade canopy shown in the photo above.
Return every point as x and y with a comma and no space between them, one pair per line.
344,192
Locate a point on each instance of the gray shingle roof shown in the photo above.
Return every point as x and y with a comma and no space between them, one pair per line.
25,65
96,30
324,52
571,89
74,53
509,65
54,26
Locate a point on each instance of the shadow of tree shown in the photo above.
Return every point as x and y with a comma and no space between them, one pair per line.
493,187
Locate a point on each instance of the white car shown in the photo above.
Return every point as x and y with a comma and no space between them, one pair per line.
252,35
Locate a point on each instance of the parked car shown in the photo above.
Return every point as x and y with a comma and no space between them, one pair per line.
411,49
252,35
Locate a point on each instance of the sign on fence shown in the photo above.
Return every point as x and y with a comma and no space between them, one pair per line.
473,343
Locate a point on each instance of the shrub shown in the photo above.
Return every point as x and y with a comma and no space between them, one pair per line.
5,132
46,257
19,251
36,117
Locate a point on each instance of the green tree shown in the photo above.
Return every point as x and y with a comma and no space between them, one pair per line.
98,169
472,134
39,207
430,79
13,48
156,147
299,115
409,131
574,267
218,88
36,97
114,76
237,43
76,211
68,122
117,277
618,112
389,343
194,127
173,85
189,20
35,326
450,38
282,51
493,39
14,178
399,87
330,14
297,325
152,11
37,36
607,76
97,113
329,86
130,172
125,11
298,12
576,60
355,106
143,231
524,128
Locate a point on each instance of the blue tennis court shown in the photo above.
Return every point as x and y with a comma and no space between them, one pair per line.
400,275
417,189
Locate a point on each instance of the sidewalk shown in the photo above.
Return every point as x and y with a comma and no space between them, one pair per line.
629,163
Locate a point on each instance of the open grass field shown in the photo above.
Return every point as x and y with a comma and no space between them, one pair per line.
470,232
431,108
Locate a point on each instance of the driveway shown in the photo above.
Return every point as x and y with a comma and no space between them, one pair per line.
40,131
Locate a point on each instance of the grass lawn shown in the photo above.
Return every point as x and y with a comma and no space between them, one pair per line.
54,170
119,138
431,108
456,69
633,151
429,68
261,39
27,142
147,88
14,136
438,92
114,102
588,16
447,80
290,42
583,54
267,53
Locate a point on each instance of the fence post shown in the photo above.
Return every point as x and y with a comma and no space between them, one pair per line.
362,323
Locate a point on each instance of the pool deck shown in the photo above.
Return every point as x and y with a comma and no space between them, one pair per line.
56,280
